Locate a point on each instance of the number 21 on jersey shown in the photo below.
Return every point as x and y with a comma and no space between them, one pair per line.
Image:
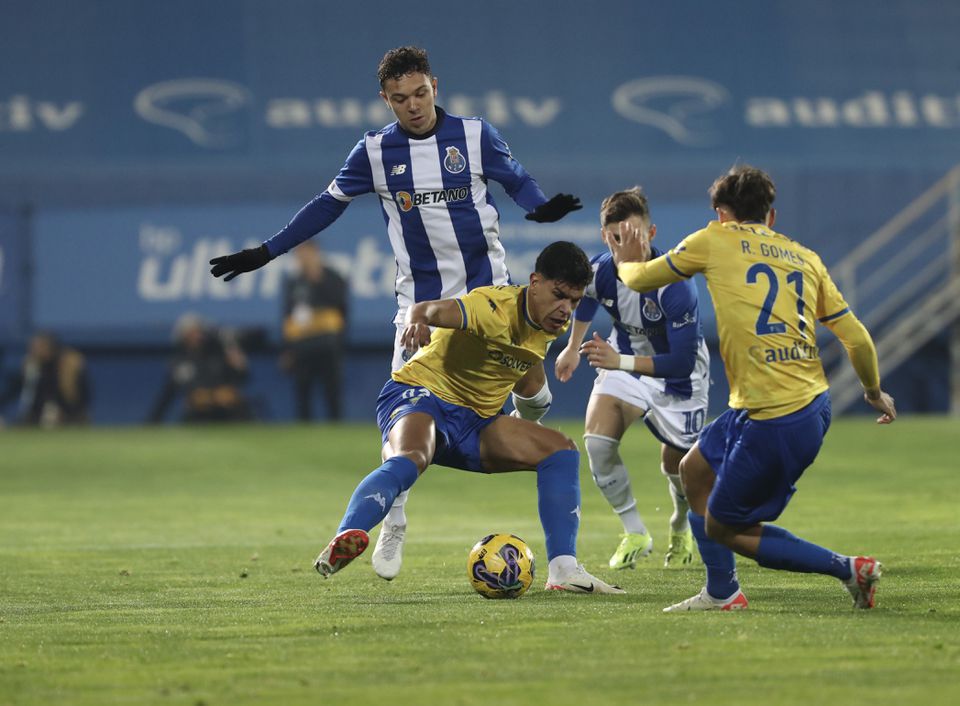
764,327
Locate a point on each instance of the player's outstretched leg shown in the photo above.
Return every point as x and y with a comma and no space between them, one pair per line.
558,501
779,549
722,591
611,476
367,507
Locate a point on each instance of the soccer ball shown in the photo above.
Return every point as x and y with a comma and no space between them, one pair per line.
501,566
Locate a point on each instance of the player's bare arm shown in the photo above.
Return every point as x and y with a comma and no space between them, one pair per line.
601,354
532,381
569,357
440,313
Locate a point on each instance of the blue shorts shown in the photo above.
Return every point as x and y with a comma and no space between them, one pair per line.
458,428
758,461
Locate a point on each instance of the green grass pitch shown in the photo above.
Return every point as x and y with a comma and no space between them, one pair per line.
173,566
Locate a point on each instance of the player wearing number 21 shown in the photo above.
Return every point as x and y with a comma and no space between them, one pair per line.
768,291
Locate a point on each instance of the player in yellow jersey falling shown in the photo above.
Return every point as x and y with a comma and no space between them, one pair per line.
768,291
445,407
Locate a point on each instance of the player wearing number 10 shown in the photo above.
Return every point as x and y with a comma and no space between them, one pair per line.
767,291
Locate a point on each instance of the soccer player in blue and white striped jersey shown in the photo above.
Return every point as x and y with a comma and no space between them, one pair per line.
654,366
430,170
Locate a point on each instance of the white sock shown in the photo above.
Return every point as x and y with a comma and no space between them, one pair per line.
396,515
678,520
612,479
561,567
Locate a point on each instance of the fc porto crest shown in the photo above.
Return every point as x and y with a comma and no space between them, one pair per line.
650,310
454,161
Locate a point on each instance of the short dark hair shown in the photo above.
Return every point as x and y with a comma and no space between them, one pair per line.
565,262
621,205
402,61
747,191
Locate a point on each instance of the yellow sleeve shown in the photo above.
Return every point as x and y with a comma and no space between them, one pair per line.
483,312
830,302
647,276
684,261
860,349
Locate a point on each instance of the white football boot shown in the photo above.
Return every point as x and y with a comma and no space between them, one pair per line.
388,554
579,581
704,601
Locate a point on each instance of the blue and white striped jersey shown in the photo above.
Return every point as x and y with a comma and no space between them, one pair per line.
442,221
664,324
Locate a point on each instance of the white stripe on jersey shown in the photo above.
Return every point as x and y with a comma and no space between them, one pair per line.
337,193
425,169
404,283
488,216
628,303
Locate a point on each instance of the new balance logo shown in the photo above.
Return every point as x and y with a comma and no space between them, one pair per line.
379,499
398,169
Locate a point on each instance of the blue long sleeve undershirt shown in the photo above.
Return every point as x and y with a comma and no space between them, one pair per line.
309,220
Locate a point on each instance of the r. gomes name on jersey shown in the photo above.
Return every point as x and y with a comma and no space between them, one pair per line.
406,200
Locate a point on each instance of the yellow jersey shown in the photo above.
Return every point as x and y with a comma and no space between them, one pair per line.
477,365
768,292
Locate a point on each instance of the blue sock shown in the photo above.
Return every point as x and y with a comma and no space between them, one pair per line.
781,550
558,499
720,562
372,499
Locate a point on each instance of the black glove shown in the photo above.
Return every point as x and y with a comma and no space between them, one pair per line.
555,209
244,261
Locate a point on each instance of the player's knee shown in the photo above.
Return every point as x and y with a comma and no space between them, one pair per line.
717,531
417,456
603,453
556,441
565,443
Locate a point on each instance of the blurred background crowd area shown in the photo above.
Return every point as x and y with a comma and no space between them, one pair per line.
137,140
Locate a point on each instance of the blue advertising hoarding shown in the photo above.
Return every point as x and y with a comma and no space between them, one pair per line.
125,275
148,137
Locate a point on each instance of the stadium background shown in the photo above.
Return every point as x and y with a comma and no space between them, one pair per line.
137,140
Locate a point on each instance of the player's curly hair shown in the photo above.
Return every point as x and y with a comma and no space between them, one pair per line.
621,205
565,262
402,61
746,191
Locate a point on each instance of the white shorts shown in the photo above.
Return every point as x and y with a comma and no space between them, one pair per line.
673,420
400,355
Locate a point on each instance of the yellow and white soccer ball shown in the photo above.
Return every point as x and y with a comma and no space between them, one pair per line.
501,566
